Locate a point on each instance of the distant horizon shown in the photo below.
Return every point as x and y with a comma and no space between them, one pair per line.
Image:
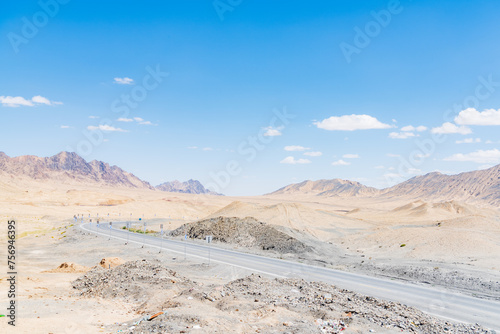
242,195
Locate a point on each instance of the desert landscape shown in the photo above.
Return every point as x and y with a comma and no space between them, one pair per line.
436,230
230,166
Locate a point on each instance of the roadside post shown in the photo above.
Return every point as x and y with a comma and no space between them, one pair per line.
127,224
209,241
143,234
161,236
110,225
185,239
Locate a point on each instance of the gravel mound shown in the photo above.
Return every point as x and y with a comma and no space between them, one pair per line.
320,299
134,281
245,232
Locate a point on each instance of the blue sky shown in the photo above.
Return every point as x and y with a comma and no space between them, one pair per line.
355,75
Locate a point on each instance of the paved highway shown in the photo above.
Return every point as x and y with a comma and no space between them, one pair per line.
435,301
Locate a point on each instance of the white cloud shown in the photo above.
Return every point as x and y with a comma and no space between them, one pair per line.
392,155
421,128
107,128
350,156
272,132
65,126
137,119
471,116
448,128
123,81
468,141
146,123
379,167
401,135
192,147
396,176
296,148
392,176
408,128
17,101
414,171
93,117
411,128
351,123
41,100
480,156
340,163
313,154
208,149
292,161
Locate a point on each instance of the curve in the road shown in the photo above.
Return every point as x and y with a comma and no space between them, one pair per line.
439,302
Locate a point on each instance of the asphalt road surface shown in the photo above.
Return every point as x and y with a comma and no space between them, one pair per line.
438,302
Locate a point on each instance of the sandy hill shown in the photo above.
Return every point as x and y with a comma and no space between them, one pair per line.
67,167
188,187
297,216
441,210
333,188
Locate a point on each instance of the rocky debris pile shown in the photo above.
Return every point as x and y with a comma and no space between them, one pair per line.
246,232
163,323
135,281
325,300
330,326
169,303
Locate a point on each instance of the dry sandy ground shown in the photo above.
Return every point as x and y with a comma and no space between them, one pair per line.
48,303
452,236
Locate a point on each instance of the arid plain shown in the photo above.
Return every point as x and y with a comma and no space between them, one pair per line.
444,242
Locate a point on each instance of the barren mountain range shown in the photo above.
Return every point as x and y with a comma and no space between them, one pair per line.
189,187
335,187
67,167
482,186
476,186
